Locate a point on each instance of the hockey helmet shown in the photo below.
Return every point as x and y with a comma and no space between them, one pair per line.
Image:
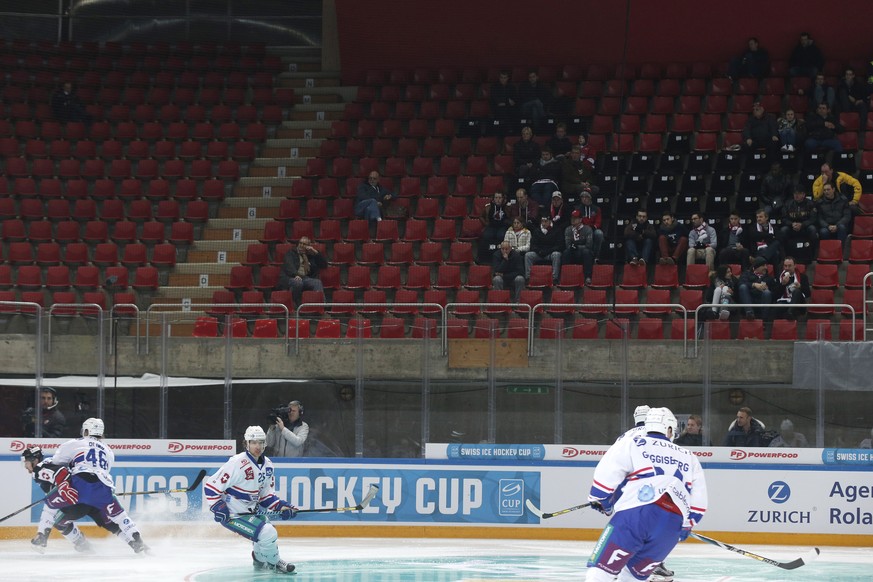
660,420
640,413
32,454
255,433
94,427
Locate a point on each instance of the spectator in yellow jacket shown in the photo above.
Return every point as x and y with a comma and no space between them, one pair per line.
843,184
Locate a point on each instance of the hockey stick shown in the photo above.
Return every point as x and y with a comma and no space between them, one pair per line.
25,508
188,489
364,503
812,555
536,511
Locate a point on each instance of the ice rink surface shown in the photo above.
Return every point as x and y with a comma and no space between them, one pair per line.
226,558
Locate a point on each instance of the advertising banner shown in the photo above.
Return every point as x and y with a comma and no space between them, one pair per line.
130,447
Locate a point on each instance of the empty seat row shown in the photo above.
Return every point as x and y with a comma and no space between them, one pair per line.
249,124
94,231
85,277
198,169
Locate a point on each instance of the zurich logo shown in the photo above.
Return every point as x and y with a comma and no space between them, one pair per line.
779,492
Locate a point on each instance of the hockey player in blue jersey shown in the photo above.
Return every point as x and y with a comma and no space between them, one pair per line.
242,488
655,492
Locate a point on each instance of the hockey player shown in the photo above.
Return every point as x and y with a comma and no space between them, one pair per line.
640,413
242,487
88,483
662,496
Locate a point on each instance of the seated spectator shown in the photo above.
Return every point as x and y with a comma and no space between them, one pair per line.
775,189
672,240
518,236
545,177
371,198
721,291
525,208
761,132
558,211
546,246
495,220
799,219
592,217
834,215
589,156
504,98
525,153
702,241
745,431
579,245
788,437
639,239
559,143
822,129
576,174
790,130
756,286
845,184
66,106
853,94
792,288
692,436
753,62
762,239
820,93
507,267
806,59
534,98
733,237
300,270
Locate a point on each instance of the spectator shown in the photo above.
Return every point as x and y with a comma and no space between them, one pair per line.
852,95
53,422
639,239
508,269
579,245
762,239
806,59
822,129
868,442
761,132
745,431
559,143
589,156
576,174
721,291
535,98
702,241
495,219
287,436
834,215
546,245
559,212
525,153
845,184
672,240
820,93
788,437
518,236
775,189
525,208
753,62
66,106
692,436
733,237
792,288
757,287
799,219
591,216
790,129
300,269
371,198
545,177
504,99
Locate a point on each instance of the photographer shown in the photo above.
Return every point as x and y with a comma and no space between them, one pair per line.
287,436
53,422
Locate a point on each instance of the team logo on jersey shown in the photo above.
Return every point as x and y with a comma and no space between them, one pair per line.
225,478
646,493
779,492
250,474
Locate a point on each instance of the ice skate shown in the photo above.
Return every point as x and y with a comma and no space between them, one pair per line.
662,574
281,566
40,542
137,545
82,545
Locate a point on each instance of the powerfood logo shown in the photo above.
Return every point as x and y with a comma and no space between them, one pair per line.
779,492
16,446
511,498
738,454
174,447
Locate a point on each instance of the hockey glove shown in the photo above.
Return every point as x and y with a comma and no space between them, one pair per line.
684,533
603,506
68,493
287,511
220,512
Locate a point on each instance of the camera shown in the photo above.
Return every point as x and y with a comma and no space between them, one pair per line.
279,412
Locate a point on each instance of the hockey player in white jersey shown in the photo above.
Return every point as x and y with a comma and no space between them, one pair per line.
640,413
88,481
655,492
241,488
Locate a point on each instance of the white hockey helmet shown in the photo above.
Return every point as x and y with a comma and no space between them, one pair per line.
640,413
659,420
255,433
93,426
